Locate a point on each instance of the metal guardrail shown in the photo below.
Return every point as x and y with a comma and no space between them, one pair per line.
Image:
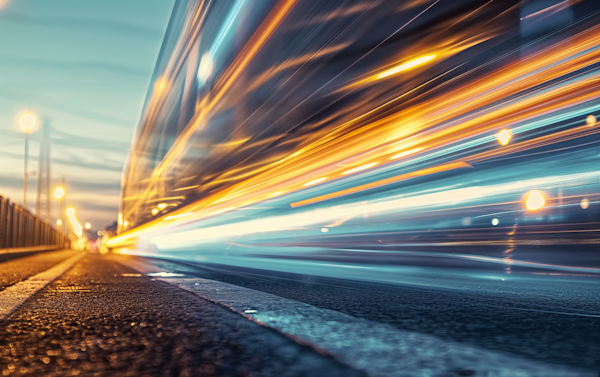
20,229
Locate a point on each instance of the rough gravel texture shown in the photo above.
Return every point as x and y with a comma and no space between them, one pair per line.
96,322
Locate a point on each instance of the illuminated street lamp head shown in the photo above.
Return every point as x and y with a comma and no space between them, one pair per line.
70,212
59,222
534,200
58,193
88,225
27,122
504,137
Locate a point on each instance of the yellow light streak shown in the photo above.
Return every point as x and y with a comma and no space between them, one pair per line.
186,188
406,153
174,217
477,107
382,182
247,54
406,66
315,181
360,168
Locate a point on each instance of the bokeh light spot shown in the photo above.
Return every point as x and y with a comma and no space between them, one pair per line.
534,200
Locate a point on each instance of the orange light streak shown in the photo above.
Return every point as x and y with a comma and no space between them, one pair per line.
475,108
383,182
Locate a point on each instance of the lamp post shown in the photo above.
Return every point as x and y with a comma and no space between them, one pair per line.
27,123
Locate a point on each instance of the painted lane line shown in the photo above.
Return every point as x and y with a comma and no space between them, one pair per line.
14,296
378,349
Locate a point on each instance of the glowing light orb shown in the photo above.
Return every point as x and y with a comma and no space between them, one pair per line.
534,200
125,223
70,212
88,225
504,137
58,193
324,230
584,203
495,222
27,121
154,211
162,206
590,120
59,222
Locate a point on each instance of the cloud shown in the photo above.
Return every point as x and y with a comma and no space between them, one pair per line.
70,140
82,113
81,23
72,184
84,66
72,163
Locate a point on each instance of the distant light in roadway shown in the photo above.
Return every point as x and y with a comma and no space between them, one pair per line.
88,225
59,222
154,211
504,137
125,223
324,230
315,181
495,222
406,66
70,212
534,200
58,193
162,206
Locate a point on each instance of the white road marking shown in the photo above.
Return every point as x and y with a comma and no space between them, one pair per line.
378,349
14,296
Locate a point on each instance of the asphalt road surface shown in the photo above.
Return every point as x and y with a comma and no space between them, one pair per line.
108,315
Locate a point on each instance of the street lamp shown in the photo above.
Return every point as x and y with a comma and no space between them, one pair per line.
27,123
88,225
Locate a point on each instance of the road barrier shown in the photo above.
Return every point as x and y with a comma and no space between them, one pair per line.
20,229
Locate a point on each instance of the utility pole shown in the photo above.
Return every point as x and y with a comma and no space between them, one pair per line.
42,207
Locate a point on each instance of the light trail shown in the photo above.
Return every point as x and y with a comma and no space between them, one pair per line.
420,128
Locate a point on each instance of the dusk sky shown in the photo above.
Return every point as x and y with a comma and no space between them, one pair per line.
86,65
